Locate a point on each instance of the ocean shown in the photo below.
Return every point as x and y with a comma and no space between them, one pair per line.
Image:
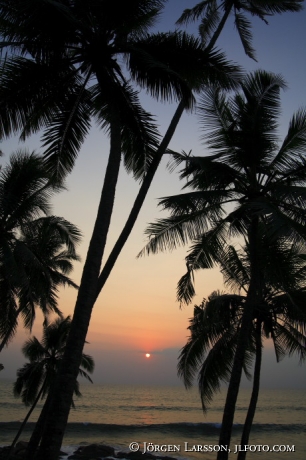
170,419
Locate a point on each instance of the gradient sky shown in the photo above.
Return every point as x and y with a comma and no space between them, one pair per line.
137,311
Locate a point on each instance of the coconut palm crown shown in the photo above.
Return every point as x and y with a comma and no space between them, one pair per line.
214,13
215,326
94,54
35,379
281,316
248,178
44,357
37,250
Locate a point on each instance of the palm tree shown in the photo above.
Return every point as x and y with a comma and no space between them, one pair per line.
71,56
281,316
209,23
246,184
35,378
36,251
216,323
82,31
210,349
214,14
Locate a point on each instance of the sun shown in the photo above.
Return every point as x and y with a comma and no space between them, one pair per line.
148,355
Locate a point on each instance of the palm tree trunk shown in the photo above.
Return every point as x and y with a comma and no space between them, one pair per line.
234,384
219,29
26,419
255,392
139,199
150,173
65,382
38,430
92,284
120,243
253,299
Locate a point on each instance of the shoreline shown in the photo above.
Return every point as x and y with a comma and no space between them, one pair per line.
93,451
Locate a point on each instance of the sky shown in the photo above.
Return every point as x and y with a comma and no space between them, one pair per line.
137,312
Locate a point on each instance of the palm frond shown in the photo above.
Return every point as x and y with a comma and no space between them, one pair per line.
234,269
209,23
29,380
243,26
139,132
191,14
171,65
25,189
277,6
217,367
87,363
289,340
185,290
294,143
36,253
190,359
39,98
33,350
44,359
211,345
174,231
155,65
65,132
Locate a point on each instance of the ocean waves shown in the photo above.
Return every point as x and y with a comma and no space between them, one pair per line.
186,429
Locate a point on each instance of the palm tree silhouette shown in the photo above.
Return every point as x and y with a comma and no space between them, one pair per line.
245,184
95,51
214,14
36,251
215,326
35,378
82,32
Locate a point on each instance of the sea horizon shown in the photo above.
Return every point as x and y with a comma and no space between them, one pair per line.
163,415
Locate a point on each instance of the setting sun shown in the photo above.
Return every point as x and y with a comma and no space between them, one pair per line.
148,355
